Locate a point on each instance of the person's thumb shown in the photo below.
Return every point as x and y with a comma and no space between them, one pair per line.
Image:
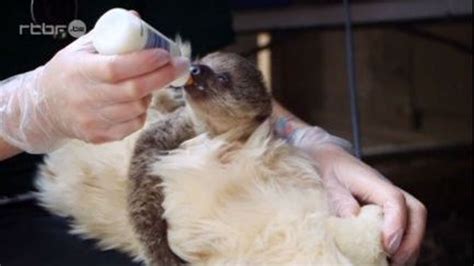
341,201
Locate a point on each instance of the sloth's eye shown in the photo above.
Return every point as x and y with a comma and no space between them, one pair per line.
223,78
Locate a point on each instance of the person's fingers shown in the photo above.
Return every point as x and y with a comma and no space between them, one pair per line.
115,68
141,86
368,186
404,216
124,129
95,131
413,259
346,205
121,112
409,249
341,201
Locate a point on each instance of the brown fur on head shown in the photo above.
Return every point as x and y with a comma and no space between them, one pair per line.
228,94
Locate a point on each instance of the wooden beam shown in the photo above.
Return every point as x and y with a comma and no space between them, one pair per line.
295,17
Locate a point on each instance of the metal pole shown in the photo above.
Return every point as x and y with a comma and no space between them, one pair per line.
351,78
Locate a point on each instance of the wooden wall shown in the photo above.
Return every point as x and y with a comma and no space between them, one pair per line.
411,90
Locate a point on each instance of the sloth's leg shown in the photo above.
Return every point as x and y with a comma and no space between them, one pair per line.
145,196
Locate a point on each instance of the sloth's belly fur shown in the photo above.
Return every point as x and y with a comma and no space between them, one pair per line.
257,204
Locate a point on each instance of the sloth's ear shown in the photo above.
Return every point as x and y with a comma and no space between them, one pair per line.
184,46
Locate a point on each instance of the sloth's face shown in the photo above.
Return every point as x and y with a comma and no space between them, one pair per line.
228,90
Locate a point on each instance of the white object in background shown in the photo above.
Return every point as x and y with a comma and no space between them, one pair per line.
118,31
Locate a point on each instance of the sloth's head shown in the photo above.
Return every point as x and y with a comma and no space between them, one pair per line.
228,94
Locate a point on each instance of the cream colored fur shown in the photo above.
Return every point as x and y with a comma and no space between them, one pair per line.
260,203
89,183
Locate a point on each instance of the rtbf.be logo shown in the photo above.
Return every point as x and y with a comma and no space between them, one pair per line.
76,29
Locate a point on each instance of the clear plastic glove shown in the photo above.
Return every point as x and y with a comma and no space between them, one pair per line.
349,182
83,95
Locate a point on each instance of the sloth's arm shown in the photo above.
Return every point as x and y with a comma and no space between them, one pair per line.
167,100
145,196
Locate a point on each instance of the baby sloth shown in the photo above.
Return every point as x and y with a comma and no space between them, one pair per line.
208,184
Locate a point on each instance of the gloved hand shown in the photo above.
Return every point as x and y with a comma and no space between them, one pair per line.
349,182
84,95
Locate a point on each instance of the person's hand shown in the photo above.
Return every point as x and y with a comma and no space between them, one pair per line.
84,95
350,182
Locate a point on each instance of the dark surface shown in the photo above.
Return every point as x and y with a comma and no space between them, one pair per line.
32,236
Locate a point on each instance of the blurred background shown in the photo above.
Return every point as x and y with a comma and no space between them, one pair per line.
413,65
